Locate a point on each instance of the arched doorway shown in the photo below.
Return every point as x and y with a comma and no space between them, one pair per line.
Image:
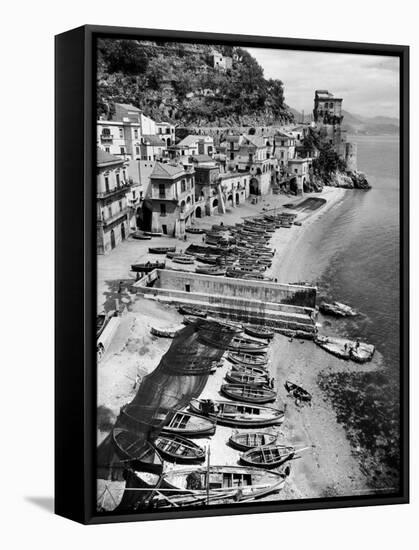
237,198
112,239
198,212
123,231
293,186
230,200
168,142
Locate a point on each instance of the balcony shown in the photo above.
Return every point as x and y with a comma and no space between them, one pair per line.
115,191
114,218
106,138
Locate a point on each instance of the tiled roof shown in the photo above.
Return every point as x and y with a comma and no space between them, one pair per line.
154,140
257,141
165,171
102,157
281,133
128,107
202,158
189,140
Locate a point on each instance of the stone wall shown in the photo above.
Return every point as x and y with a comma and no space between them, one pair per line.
283,307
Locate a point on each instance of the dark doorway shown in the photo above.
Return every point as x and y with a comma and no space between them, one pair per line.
187,287
237,198
198,212
164,229
254,187
123,232
112,239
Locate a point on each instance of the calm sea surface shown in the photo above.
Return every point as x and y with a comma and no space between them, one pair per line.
356,249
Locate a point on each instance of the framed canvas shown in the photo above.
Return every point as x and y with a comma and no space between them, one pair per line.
231,274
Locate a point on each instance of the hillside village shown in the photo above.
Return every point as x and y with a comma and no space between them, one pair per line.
148,178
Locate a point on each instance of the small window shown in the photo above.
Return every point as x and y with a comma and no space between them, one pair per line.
121,133
107,149
107,184
122,149
109,211
162,209
187,287
137,150
117,180
120,206
136,134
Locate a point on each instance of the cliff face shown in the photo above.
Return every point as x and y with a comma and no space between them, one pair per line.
183,84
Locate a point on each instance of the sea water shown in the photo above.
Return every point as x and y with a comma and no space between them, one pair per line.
355,250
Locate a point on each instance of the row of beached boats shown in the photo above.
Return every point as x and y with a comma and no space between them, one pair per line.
264,464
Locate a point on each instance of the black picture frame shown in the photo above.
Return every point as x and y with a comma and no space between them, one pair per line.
75,269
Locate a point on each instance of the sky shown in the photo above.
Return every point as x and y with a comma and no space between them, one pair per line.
368,84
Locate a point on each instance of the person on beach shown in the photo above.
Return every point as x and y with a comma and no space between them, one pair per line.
120,287
136,382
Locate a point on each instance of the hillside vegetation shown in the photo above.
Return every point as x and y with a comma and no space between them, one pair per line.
176,83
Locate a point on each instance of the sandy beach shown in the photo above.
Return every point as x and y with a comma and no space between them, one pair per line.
330,466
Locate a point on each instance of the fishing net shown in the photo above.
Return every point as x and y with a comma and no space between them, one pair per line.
180,376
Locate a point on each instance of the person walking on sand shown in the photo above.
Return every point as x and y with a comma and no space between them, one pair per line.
120,287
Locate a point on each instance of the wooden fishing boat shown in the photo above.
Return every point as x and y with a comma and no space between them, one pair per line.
238,377
219,485
136,450
211,270
248,393
244,441
256,277
267,456
100,324
259,331
252,371
169,332
247,359
183,259
141,236
194,230
161,249
206,259
192,310
247,345
153,233
297,391
175,448
243,415
189,425
147,267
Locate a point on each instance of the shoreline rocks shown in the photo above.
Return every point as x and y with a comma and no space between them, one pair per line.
360,352
349,180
